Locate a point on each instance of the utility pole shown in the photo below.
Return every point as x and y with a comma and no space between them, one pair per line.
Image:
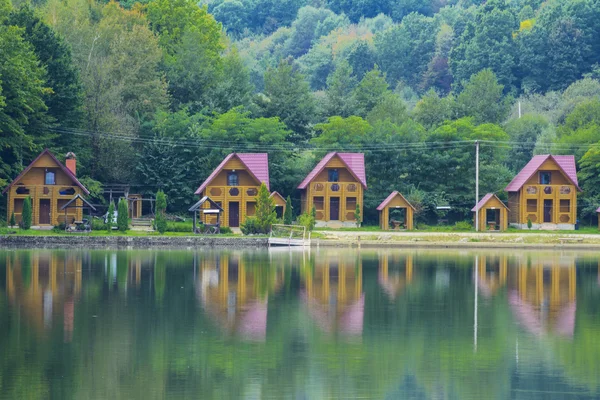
476,185
519,108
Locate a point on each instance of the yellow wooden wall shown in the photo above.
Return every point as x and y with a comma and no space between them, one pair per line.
34,180
396,202
345,177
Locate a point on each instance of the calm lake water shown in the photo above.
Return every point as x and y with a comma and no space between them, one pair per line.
299,325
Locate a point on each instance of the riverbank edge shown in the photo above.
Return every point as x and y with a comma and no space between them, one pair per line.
141,242
146,242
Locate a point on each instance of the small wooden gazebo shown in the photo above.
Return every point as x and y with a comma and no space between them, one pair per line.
210,215
493,213
77,224
395,201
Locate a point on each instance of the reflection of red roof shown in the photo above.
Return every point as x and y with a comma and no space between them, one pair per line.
531,318
257,165
390,198
565,163
62,167
355,162
485,199
350,320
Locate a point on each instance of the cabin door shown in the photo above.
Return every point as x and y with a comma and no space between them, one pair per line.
334,209
547,210
44,212
234,214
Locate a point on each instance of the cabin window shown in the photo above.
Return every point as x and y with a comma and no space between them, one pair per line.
333,175
565,206
50,178
531,205
545,178
232,179
319,202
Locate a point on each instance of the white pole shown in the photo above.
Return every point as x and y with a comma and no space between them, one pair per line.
476,185
519,109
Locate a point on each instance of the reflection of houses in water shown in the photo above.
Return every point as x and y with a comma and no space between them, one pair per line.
334,295
395,272
541,289
234,292
41,283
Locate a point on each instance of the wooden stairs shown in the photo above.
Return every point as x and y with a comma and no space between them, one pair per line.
142,224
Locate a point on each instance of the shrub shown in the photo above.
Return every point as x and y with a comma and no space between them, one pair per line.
265,210
122,217
99,225
357,215
226,230
529,223
307,220
287,215
175,226
462,226
13,222
160,221
59,228
250,226
109,217
26,216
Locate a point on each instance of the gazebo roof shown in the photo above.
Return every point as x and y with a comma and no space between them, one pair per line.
390,198
203,200
78,196
484,201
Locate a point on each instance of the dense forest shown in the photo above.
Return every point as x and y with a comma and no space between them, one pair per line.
155,93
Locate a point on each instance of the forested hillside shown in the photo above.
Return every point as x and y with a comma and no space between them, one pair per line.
155,93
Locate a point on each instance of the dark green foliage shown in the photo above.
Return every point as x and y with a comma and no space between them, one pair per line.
160,219
288,214
27,214
123,216
357,216
13,222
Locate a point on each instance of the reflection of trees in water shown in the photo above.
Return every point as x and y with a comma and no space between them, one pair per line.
156,338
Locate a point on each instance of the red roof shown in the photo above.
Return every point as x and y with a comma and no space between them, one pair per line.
598,210
565,163
485,199
355,162
257,165
390,198
66,170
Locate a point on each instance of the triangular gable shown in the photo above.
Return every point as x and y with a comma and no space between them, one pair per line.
598,210
257,165
278,196
78,196
566,165
203,200
354,162
390,198
58,163
485,200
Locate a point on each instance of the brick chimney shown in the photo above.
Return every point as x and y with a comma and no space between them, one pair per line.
71,163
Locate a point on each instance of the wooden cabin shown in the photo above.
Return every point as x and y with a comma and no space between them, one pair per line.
234,185
50,185
280,204
395,209
544,192
493,213
335,186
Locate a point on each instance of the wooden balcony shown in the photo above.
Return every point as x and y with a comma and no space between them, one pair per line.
219,193
549,191
333,189
43,191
